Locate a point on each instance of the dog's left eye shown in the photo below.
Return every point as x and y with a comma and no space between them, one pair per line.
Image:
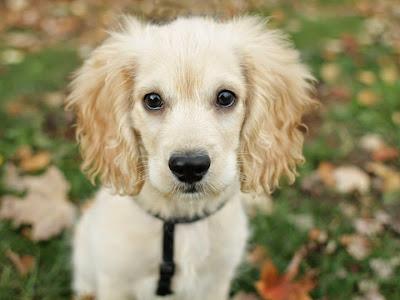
226,99
153,101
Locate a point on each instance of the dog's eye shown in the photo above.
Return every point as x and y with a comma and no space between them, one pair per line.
153,101
226,99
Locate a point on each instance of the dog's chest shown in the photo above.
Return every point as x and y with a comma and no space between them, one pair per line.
132,247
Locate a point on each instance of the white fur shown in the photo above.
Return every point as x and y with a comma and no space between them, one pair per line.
118,244
118,250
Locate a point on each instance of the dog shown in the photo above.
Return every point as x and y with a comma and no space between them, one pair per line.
178,121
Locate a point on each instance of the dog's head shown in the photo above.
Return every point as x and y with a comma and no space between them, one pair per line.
192,107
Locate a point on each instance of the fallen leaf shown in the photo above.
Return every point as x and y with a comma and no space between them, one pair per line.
372,142
351,178
384,268
396,117
371,295
273,286
391,178
36,162
12,56
367,97
389,74
369,289
340,93
368,226
357,246
385,153
44,206
325,171
12,179
350,44
303,222
318,235
332,48
366,77
23,263
24,152
330,72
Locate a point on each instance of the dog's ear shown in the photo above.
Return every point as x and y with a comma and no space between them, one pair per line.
278,93
101,94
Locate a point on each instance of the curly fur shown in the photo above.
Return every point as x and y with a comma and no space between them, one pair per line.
251,146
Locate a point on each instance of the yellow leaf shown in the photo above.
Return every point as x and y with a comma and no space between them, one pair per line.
366,77
330,72
36,162
389,74
367,97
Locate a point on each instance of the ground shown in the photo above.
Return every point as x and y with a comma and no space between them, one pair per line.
345,205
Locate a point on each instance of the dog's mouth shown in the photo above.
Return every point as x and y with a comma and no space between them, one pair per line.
191,189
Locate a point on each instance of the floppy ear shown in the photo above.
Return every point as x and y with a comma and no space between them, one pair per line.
278,93
101,94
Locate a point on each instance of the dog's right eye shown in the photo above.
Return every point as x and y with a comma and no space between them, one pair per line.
153,101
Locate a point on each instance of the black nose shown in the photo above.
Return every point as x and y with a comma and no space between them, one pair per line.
189,168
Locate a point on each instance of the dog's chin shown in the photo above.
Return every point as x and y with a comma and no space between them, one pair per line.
190,189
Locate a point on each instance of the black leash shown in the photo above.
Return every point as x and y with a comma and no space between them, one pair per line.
167,266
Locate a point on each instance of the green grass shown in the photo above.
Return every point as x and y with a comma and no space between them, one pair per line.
337,141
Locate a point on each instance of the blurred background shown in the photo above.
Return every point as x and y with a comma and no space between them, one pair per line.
334,234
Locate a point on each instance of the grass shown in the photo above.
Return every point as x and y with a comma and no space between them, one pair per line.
336,141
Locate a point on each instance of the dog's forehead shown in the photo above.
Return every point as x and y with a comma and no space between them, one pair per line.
187,62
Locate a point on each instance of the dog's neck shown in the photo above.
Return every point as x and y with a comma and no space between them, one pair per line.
187,207
185,210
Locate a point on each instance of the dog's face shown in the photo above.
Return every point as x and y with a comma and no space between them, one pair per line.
188,110
191,106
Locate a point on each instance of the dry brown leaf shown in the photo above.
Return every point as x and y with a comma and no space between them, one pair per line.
45,205
318,235
36,162
282,287
23,263
273,286
357,246
24,152
385,153
325,172
391,178
351,178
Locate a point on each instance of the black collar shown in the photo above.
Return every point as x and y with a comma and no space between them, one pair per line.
167,266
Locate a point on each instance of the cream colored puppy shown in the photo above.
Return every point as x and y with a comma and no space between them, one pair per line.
176,120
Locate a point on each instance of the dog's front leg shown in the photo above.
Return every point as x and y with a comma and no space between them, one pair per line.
220,290
111,288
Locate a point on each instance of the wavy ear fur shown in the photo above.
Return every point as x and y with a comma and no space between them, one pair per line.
279,89
101,94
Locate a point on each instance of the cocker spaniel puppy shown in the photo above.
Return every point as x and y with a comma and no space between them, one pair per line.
177,120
